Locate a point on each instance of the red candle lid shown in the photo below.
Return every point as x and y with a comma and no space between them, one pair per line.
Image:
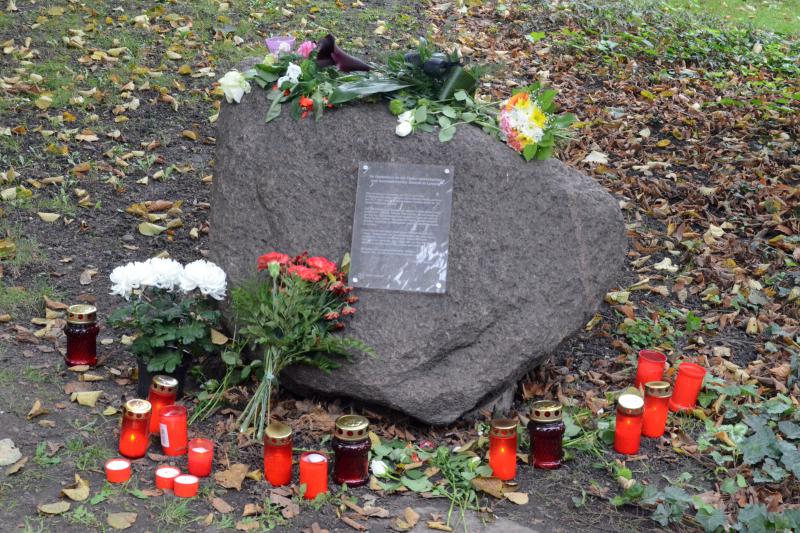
503,427
165,384
658,389
278,434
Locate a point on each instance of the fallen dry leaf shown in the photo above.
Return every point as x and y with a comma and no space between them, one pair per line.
233,477
121,520
36,410
87,398
54,508
78,491
16,467
440,526
490,485
520,498
221,505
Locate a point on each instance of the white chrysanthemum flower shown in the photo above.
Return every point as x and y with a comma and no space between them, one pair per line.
126,278
165,273
403,129
206,276
234,85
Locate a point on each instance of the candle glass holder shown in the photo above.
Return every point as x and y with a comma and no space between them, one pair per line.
201,457
656,407
172,426
281,44
503,448
687,387
163,392
81,332
351,447
546,430
134,437
118,470
314,474
165,477
278,454
185,486
628,431
650,367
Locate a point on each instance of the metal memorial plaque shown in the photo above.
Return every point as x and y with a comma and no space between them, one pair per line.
401,227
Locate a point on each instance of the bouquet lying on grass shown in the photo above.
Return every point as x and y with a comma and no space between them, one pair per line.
427,89
289,315
170,311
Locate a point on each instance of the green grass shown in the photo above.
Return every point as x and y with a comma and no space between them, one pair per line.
17,300
779,16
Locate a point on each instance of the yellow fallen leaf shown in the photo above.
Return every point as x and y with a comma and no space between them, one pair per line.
49,217
87,398
36,410
78,491
121,520
520,498
218,338
54,508
110,411
151,230
189,134
44,101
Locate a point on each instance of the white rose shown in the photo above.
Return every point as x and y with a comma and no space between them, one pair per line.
165,273
234,85
379,468
206,276
403,129
292,75
405,116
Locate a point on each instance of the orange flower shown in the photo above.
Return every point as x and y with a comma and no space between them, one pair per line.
306,102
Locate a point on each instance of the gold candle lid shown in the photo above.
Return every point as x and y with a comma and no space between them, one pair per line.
658,389
503,427
351,427
278,434
81,314
165,384
546,411
630,404
137,408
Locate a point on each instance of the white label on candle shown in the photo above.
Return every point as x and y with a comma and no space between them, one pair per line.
164,436
117,464
315,458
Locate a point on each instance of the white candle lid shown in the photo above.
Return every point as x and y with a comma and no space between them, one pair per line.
167,471
631,401
118,464
186,479
315,458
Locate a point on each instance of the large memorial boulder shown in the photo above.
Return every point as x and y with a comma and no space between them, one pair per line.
533,249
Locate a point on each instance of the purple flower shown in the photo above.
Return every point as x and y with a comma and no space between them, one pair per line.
306,48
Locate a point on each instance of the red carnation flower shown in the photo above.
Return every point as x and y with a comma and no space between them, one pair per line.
351,299
306,102
321,265
305,273
333,315
272,257
347,310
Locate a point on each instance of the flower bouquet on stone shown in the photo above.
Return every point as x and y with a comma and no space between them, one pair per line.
169,308
289,314
529,124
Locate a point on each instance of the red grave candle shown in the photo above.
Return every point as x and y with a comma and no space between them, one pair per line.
135,434
278,454
165,477
185,486
651,367
81,332
656,400
118,470
351,447
172,426
503,449
546,430
201,457
628,433
687,387
314,473
163,391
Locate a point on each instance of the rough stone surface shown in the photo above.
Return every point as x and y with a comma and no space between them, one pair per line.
9,454
533,249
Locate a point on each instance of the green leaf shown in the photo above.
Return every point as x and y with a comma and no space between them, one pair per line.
274,110
529,152
535,36
449,112
790,429
422,484
365,87
446,134
421,114
711,519
444,121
